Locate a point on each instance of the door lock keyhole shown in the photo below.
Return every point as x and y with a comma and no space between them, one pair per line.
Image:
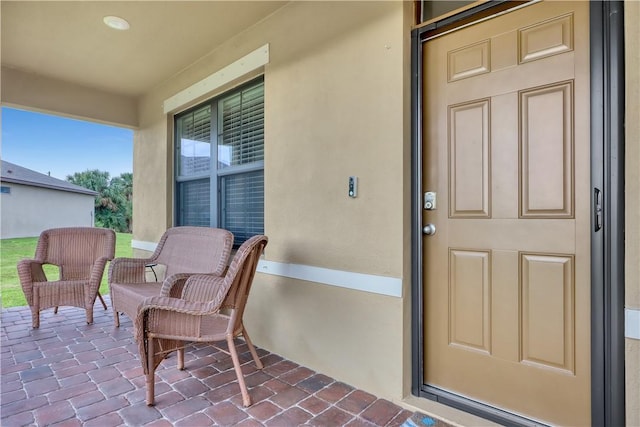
429,201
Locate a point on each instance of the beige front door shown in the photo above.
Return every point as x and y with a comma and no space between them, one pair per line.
507,273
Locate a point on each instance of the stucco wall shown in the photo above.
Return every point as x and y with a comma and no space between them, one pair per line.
339,113
632,226
27,211
336,100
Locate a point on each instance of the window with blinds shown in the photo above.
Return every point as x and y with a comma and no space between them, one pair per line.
194,203
220,163
194,144
243,204
241,118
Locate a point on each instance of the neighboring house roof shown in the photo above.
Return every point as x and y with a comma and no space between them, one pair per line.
12,173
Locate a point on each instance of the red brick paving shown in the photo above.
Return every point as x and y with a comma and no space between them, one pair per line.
68,373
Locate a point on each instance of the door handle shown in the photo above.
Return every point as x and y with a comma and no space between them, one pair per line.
597,209
429,229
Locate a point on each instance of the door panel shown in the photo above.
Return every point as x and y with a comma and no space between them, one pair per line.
507,274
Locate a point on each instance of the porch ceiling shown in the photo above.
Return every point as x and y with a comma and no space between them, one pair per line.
68,41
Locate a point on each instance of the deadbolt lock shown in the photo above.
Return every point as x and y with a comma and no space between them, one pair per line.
429,200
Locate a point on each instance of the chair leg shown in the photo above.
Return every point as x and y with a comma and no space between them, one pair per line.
102,301
252,349
116,317
181,358
35,308
89,313
35,317
150,372
246,398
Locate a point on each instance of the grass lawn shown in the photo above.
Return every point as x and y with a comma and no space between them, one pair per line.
13,250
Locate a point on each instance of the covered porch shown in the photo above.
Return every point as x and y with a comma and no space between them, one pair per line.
336,289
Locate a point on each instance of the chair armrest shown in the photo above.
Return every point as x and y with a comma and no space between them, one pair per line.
205,288
145,321
176,305
172,286
127,270
30,271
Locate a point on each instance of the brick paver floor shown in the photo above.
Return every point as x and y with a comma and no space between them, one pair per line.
68,373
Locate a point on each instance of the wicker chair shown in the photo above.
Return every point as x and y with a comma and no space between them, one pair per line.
210,310
81,254
182,251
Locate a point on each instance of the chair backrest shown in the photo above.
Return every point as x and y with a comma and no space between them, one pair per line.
241,272
188,249
75,249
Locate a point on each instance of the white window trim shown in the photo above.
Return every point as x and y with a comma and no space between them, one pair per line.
243,66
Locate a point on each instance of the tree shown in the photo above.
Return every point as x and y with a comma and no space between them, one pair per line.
113,204
121,188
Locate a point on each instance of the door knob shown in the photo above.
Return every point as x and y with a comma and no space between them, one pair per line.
429,229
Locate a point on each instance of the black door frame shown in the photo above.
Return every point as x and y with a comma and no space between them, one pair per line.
607,217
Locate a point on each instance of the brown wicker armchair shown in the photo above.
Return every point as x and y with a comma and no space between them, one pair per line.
210,309
182,251
81,254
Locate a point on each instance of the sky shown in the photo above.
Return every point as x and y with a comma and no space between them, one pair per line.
62,146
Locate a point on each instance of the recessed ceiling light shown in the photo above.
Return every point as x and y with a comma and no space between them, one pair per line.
116,22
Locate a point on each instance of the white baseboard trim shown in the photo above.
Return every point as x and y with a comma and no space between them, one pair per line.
142,245
382,285
632,323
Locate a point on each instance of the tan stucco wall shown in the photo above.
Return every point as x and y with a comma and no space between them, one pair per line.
350,335
23,216
339,113
632,214
39,93
337,104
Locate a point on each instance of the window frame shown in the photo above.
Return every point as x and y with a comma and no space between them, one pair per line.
215,174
